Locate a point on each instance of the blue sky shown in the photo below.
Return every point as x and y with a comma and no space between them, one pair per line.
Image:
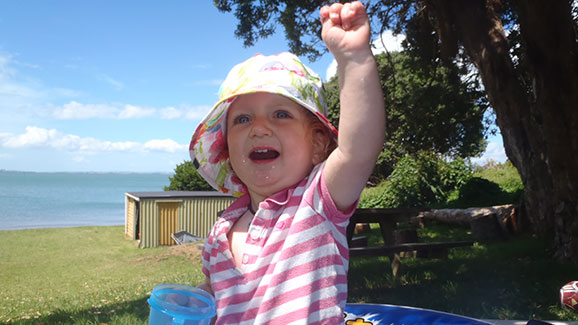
116,85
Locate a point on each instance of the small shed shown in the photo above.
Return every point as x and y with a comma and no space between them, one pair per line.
151,217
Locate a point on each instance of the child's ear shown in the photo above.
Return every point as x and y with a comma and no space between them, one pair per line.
320,146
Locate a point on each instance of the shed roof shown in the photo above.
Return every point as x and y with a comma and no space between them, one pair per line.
175,194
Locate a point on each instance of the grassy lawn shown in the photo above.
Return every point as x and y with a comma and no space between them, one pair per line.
92,275
86,275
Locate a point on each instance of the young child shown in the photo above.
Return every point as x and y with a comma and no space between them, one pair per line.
279,253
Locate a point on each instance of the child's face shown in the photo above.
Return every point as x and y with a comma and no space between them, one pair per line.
270,142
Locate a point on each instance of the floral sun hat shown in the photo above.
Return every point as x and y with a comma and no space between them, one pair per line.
282,74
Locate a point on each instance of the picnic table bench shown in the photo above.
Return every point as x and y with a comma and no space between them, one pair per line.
388,219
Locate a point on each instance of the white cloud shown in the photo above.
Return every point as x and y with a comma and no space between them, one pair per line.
51,138
166,145
170,113
195,112
78,111
131,111
331,70
33,137
387,41
185,112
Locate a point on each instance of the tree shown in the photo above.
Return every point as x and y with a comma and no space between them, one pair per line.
429,108
186,178
531,80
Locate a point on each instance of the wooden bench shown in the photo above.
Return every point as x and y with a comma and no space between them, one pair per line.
432,249
388,220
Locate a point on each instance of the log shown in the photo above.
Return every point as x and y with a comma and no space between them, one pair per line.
486,227
485,222
464,216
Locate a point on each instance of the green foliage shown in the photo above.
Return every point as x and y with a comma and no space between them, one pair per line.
412,183
480,192
422,179
258,19
426,179
371,197
493,184
505,175
455,173
429,108
186,178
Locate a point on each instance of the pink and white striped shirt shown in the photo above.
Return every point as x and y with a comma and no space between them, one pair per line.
295,259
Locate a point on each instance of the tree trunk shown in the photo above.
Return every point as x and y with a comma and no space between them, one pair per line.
540,134
550,39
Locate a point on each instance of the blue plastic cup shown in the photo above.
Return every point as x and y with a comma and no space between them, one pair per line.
180,304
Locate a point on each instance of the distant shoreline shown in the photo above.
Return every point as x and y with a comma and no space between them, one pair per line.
84,172
57,227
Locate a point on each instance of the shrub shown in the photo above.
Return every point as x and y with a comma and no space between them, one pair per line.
480,192
186,178
426,179
372,196
492,184
455,174
419,180
507,177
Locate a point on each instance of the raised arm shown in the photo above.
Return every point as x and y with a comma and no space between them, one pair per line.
346,34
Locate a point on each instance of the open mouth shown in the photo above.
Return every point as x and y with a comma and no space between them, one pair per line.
263,154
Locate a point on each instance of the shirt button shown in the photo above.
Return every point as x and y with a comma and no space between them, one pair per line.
255,233
245,259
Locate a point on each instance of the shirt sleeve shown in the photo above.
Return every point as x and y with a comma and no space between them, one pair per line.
325,204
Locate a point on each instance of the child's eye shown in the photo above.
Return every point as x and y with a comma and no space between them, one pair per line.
241,119
282,114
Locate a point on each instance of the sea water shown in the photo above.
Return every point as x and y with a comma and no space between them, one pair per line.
46,200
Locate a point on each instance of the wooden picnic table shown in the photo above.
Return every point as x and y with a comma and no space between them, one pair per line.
388,219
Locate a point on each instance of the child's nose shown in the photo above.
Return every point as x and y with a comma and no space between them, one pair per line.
260,128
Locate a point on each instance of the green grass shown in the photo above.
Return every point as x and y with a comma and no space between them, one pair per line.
92,275
504,175
508,279
87,275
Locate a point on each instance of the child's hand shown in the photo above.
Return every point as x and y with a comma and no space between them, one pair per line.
346,29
